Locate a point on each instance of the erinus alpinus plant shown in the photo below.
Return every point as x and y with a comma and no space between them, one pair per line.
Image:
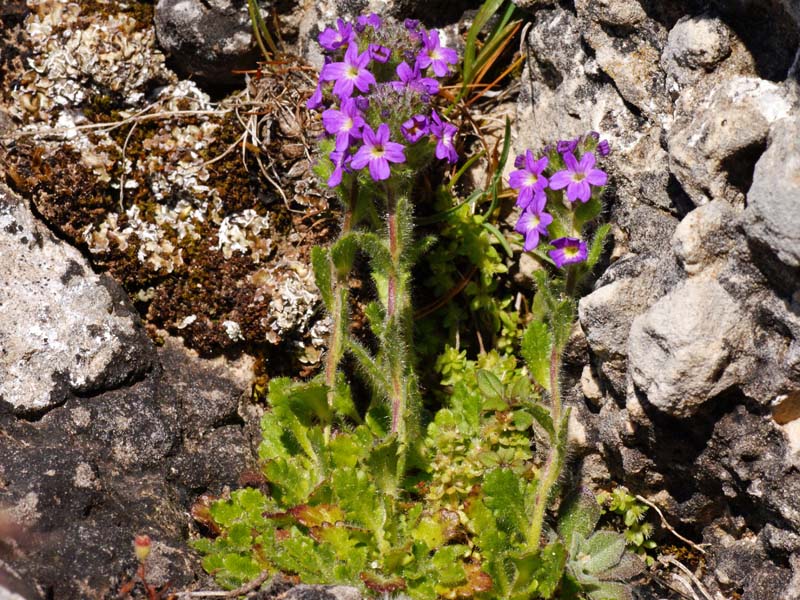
453,506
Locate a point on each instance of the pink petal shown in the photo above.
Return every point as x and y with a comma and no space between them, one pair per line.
597,177
571,162
561,180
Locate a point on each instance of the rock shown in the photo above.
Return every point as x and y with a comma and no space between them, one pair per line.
689,347
705,236
612,12
630,56
698,43
322,592
63,329
95,471
207,39
713,150
772,218
742,566
624,292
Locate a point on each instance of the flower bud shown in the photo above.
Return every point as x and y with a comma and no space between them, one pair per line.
141,547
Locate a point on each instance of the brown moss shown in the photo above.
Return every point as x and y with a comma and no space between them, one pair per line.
143,12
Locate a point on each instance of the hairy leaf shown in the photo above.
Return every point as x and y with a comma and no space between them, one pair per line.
536,345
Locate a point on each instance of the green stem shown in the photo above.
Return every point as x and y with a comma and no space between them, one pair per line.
397,327
339,312
555,458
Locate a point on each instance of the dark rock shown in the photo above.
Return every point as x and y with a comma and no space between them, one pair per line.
94,472
207,39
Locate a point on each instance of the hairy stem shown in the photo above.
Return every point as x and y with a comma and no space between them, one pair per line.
555,458
341,293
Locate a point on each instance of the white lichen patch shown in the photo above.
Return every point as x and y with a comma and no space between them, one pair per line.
243,232
293,299
73,55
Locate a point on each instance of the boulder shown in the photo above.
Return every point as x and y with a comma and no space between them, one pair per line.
63,329
714,147
207,40
689,347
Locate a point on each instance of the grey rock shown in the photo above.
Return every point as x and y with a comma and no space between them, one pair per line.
322,592
612,12
6,594
742,566
689,347
630,56
207,39
793,8
564,95
533,4
713,148
63,329
773,206
624,292
705,237
698,42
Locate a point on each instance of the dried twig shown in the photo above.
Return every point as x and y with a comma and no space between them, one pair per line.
240,591
673,561
669,527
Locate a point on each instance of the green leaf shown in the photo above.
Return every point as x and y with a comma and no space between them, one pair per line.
588,211
320,262
382,465
489,385
610,591
543,418
540,571
449,565
369,368
503,495
596,247
561,321
605,550
342,254
536,350
578,516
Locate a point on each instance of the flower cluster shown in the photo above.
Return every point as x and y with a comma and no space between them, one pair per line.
567,171
375,93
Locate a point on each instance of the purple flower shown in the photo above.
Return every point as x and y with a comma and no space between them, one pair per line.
333,39
529,180
532,223
315,100
577,177
434,55
413,79
350,73
372,19
603,148
379,53
568,251
345,124
411,24
445,134
519,161
341,161
378,152
415,128
567,145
